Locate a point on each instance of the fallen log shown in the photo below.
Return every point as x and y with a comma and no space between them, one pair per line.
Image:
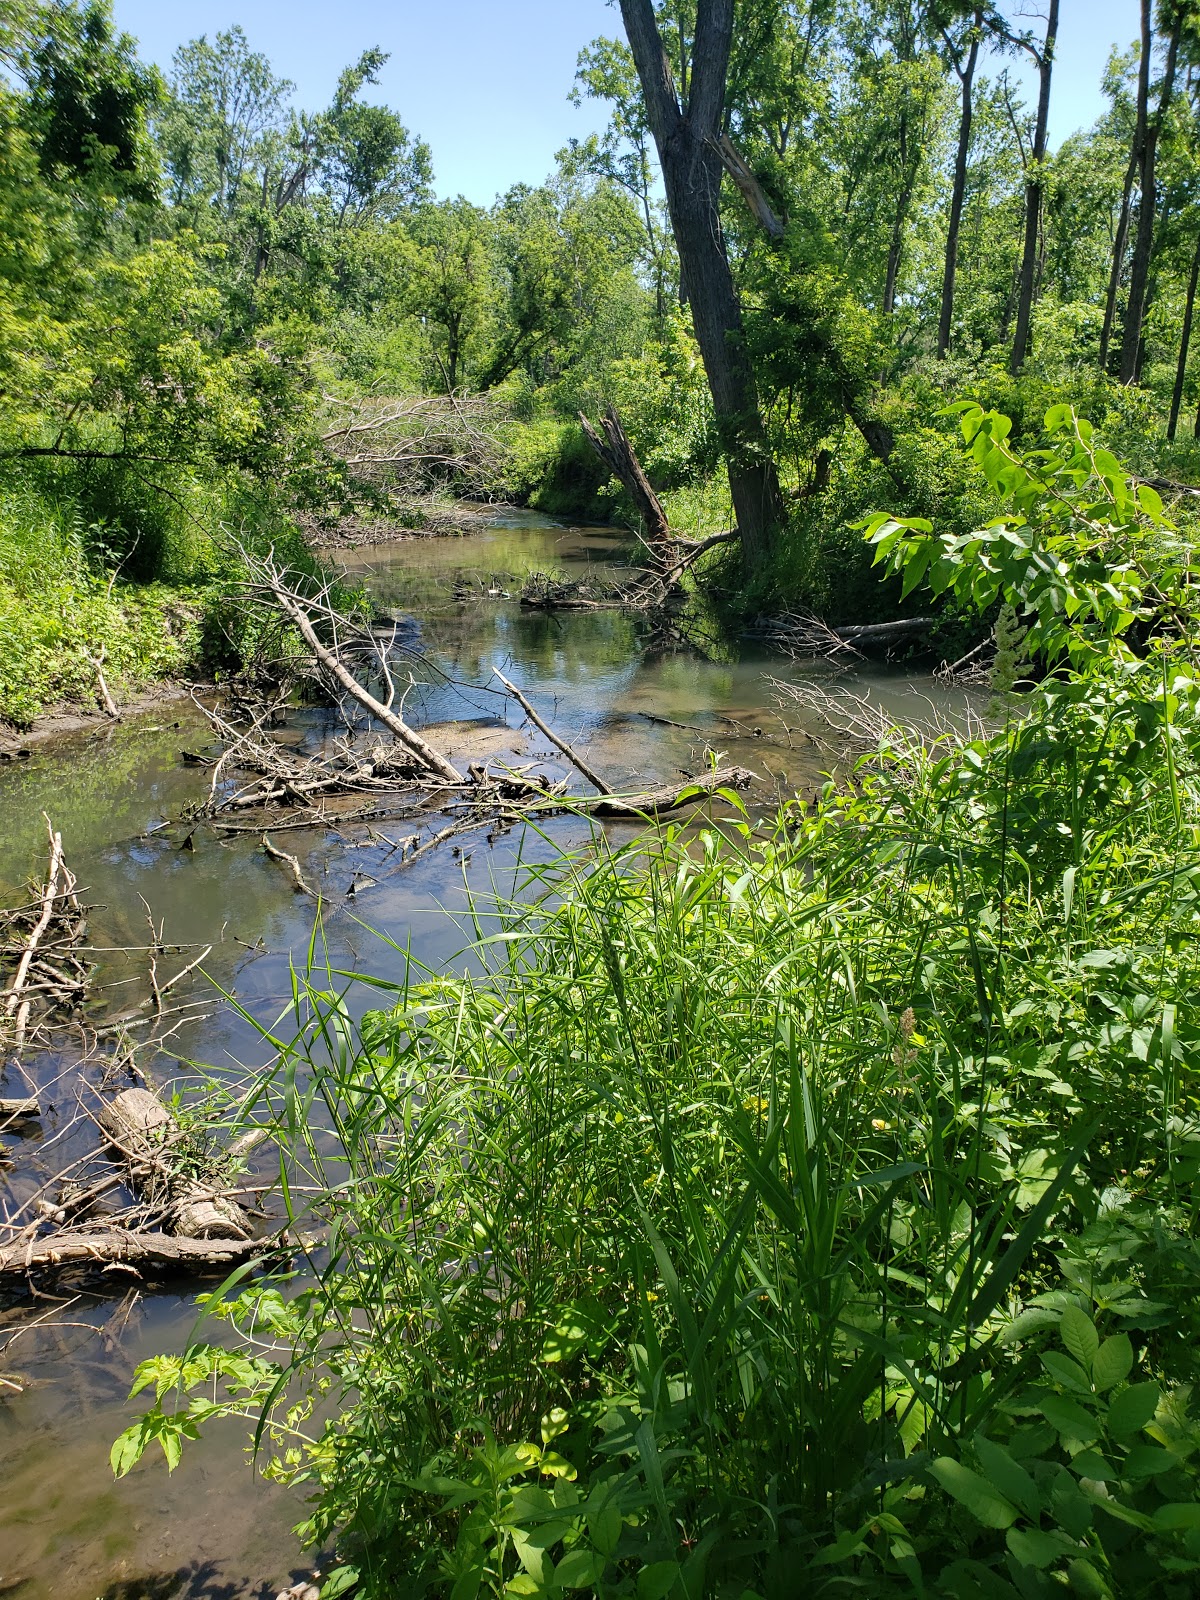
670,797
293,608
143,1130
121,1247
18,1110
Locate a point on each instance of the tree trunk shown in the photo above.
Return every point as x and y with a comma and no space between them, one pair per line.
1118,260
1139,272
899,219
967,79
1185,339
1033,197
688,142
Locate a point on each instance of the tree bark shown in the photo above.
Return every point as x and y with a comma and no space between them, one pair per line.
688,140
1139,272
1033,196
1185,339
966,77
617,454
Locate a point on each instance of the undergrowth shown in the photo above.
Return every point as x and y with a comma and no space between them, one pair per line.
800,1211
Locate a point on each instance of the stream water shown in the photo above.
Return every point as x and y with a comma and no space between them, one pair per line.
212,1529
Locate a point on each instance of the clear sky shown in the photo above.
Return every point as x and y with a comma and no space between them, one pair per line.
485,82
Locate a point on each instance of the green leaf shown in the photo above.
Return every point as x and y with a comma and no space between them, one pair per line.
1113,1362
1133,1408
128,1449
1067,1372
1078,1333
1147,1461
1086,1581
1032,1548
1180,1518
657,1580
604,1526
1071,1420
1008,1476
579,1569
340,1581
986,1504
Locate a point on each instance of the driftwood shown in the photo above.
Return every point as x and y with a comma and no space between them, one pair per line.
299,882
572,756
113,1247
801,634
670,797
293,607
143,1131
18,1110
617,454
42,940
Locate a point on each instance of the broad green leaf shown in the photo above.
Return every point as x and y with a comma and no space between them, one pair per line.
1067,1372
1008,1476
1113,1362
1133,1408
1179,1518
1070,1419
1078,1333
579,1569
985,1503
657,1580
338,1582
1032,1548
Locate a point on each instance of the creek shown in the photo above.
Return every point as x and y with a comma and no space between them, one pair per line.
213,1529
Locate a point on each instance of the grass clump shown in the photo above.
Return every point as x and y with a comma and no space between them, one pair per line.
809,1211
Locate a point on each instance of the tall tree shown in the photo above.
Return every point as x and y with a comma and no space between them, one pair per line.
963,53
1146,150
688,137
1034,183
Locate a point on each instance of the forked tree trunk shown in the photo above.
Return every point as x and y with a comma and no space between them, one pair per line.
1033,196
688,140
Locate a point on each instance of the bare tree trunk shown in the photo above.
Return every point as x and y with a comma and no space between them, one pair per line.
966,77
611,444
1118,260
1185,339
688,141
1033,197
1139,272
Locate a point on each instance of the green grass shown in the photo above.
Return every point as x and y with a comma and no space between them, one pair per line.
800,1210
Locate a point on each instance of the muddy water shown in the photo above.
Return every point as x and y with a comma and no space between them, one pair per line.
644,716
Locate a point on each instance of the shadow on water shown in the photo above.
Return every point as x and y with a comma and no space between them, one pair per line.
211,1529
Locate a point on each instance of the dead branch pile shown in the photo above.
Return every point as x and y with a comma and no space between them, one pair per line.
397,768
39,946
154,1194
849,725
552,591
414,443
801,634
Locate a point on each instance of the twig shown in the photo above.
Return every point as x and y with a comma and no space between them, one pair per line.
300,882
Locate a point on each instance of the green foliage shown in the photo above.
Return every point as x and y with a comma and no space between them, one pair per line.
823,1200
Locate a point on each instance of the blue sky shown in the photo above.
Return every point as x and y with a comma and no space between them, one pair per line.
485,82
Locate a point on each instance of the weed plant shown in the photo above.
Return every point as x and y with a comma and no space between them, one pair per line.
801,1212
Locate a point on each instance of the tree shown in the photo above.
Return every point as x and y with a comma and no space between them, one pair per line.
1034,182
227,105
370,166
89,97
962,51
622,153
1145,154
687,134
